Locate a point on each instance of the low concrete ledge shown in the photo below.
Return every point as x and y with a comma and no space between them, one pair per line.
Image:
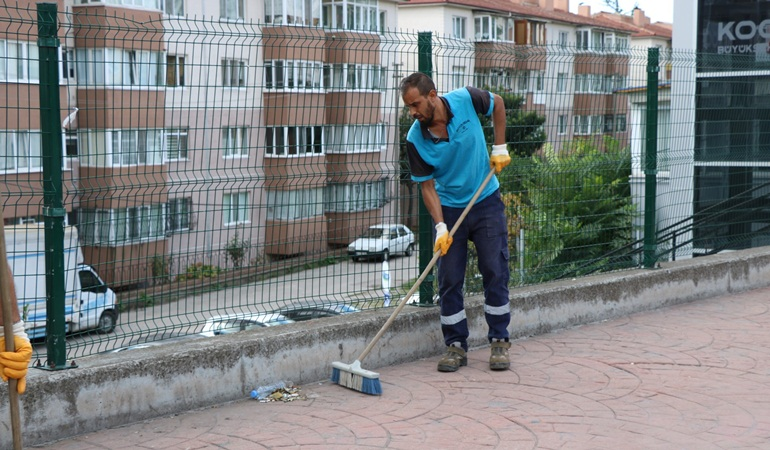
115,389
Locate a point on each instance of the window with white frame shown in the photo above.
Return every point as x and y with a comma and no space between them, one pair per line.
293,74
295,205
458,77
112,227
355,138
293,12
522,84
354,77
561,82
619,82
294,141
609,123
563,39
235,208
493,28
583,40
20,151
67,65
536,33
353,197
354,15
597,82
174,7
125,147
118,67
176,144
19,62
178,214
582,82
175,70
539,81
231,9
500,79
458,27
620,123
582,125
233,73
596,124
562,124
235,142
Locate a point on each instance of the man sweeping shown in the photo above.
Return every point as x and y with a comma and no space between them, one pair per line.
448,156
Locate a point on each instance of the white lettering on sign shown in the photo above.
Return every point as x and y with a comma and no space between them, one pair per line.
743,30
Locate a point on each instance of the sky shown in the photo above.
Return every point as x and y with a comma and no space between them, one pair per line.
656,10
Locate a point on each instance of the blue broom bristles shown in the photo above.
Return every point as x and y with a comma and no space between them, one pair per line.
354,377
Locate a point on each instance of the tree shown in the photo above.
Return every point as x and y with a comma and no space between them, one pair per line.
524,131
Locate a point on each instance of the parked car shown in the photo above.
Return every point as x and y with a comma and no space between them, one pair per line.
233,323
309,310
383,240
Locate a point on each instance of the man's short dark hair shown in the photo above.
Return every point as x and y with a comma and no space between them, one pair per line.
418,80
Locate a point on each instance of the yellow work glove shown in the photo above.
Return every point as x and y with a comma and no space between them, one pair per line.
500,157
443,239
15,364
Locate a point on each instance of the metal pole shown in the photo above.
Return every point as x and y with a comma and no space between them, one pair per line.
425,65
651,159
53,211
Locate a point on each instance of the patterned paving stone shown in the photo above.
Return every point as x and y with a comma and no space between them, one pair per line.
692,376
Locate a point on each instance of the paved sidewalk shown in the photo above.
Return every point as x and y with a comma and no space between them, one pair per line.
693,376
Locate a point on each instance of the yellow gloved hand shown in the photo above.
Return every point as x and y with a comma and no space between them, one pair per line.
443,239
500,157
15,364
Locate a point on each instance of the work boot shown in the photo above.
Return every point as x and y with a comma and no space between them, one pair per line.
498,360
453,359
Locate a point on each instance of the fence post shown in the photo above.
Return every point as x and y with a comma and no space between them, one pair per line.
425,65
53,211
651,159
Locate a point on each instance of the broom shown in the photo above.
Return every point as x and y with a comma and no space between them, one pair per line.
5,302
352,375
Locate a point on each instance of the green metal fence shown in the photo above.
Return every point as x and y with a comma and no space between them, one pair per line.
213,167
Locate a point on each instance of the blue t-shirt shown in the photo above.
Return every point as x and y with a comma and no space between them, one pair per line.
460,163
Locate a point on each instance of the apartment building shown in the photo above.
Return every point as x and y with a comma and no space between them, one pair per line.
566,66
266,125
726,120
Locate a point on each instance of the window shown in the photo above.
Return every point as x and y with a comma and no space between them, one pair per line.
235,142
561,82
293,12
121,226
175,70
178,213
176,144
67,65
20,151
563,39
501,79
108,148
582,125
117,67
582,39
295,205
236,208
231,9
233,73
70,148
174,7
523,81
355,15
620,123
493,28
597,83
562,124
294,141
354,77
539,81
458,27
301,75
458,77
596,124
351,197
536,33
609,123
355,138
19,61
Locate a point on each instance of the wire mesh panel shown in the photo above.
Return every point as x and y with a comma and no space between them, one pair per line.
222,174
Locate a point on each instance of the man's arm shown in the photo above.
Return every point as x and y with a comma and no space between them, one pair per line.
499,119
431,200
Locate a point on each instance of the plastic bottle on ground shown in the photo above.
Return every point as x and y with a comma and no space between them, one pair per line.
263,392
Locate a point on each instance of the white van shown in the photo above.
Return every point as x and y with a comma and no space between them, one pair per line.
88,302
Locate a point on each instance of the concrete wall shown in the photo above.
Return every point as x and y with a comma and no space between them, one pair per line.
119,388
